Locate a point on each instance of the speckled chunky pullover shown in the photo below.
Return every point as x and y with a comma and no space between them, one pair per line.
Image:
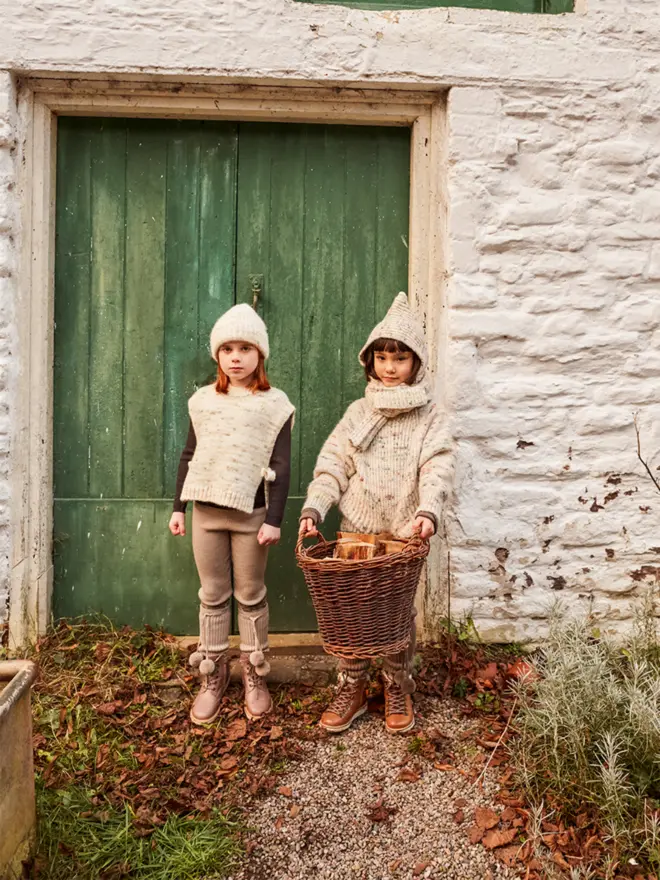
388,459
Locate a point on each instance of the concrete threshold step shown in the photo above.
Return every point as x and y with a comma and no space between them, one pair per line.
293,657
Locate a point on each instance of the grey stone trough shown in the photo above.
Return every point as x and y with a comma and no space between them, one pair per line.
17,800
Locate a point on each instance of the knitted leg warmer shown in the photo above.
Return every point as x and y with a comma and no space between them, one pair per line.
354,668
214,623
400,665
253,630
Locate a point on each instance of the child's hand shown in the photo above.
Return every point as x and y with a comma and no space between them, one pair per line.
268,535
424,527
178,523
308,527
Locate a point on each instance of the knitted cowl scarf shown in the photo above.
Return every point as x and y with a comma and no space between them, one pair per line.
403,325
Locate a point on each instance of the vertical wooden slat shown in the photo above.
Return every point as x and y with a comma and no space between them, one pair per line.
217,231
323,293
107,305
72,309
146,173
360,246
271,218
181,285
393,187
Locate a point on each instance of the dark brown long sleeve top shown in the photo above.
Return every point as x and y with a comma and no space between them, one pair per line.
278,490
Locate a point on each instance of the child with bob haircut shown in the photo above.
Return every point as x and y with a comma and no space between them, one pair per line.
387,466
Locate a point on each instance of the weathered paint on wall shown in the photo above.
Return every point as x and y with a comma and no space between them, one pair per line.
554,242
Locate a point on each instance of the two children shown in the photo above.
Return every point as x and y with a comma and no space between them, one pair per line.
386,465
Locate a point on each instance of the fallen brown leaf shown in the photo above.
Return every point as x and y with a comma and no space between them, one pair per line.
408,774
486,818
275,733
285,791
109,708
228,763
510,855
475,833
443,766
293,812
395,865
494,839
237,729
380,812
459,817
560,861
419,868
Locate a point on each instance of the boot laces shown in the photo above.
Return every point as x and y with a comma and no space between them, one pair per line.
255,681
344,695
394,697
215,680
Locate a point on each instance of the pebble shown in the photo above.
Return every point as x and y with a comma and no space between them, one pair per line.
335,783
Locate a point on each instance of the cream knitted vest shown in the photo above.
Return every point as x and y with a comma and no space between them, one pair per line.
236,433
387,459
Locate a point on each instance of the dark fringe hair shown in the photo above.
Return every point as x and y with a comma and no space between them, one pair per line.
391,346
259,379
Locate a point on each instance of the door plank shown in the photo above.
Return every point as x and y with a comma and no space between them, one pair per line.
271,216
106,337
146,176
72,309
112,557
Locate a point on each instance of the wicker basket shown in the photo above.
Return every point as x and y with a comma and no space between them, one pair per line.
363,607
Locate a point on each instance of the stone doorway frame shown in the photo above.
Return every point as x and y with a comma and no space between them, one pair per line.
41,100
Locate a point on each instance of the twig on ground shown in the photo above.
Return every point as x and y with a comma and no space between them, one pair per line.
499,743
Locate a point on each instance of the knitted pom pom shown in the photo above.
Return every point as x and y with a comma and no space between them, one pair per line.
263,669
207,666
405,681
195,659
257,658
268,474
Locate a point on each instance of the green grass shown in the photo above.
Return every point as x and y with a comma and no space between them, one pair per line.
83,838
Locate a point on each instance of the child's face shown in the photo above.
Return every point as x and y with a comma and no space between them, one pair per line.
238,361
393,367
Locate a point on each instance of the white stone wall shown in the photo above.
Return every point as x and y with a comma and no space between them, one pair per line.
554,243
554,326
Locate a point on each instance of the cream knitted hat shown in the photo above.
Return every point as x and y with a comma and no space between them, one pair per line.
401,323
240,324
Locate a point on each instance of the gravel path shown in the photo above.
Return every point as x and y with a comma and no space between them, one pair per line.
317,823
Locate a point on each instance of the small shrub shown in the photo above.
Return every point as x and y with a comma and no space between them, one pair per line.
589,730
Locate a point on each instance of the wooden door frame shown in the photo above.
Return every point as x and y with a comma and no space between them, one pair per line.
41,100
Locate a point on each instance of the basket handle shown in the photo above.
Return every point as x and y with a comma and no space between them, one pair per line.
415,540
301,538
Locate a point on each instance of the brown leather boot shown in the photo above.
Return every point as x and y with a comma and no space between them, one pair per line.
349,702
206,707
399,713
258,701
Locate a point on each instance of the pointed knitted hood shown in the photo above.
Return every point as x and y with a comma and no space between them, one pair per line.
401,323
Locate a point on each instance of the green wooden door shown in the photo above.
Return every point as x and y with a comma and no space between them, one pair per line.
160,225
